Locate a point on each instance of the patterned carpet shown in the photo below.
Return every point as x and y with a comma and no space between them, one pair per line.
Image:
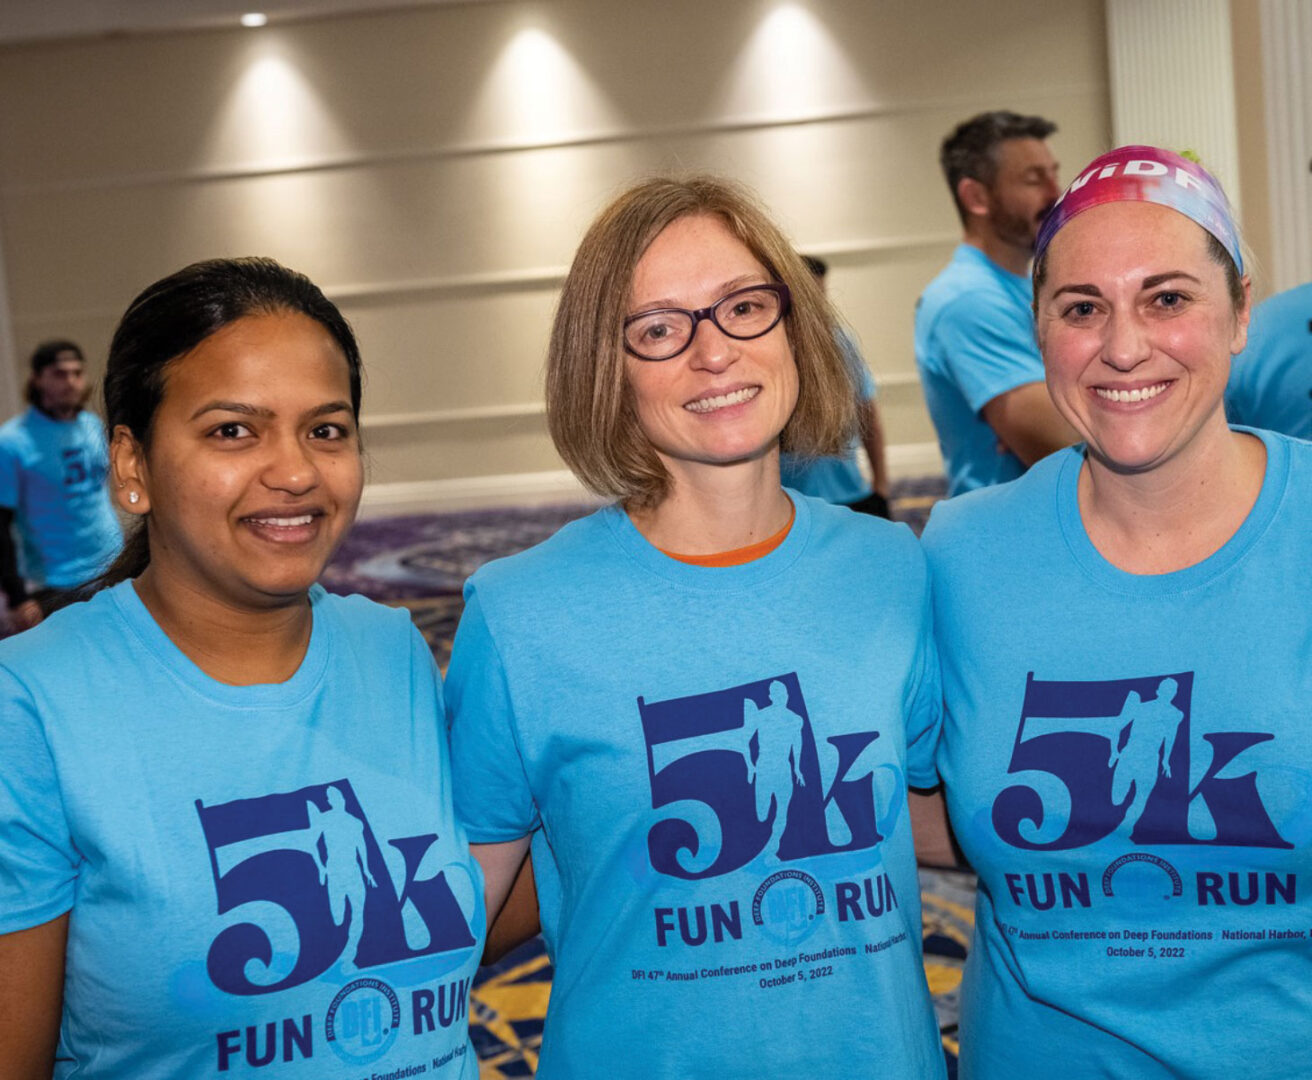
421,562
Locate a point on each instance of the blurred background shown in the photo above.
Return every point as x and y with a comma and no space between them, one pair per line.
432,165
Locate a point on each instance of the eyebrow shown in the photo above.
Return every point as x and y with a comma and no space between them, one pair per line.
1150,282
245,409
1161,279
725,288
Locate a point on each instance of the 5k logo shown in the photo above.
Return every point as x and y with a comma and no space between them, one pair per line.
743,775
312,854
1096,757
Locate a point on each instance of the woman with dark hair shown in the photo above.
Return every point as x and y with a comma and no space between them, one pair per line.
1125,642
693,691
226,834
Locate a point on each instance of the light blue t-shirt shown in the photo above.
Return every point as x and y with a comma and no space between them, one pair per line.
1128,766
974,340
836,479
1271,380
264,880
719,758
52,474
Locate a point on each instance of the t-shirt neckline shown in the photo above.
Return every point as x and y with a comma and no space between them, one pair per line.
1113,577
183,669
654,561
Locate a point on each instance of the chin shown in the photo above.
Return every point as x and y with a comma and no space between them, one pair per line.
284,588
1131,457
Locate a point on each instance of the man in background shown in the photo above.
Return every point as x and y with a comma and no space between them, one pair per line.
839,479
1271,380
53,461
974,336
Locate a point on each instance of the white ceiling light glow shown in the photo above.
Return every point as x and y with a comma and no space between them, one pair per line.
790,67
536,92
253,19
271,115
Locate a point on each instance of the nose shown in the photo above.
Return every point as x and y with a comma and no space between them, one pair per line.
291,466
711,349
1126,345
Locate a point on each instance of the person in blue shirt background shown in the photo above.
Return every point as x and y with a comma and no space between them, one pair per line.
52,488
1271,380
974,331
838,478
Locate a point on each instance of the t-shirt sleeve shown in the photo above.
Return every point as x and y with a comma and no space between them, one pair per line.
492,794
989,348
8,476
38,861
924,706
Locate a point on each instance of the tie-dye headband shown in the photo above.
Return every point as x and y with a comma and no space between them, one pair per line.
1147,174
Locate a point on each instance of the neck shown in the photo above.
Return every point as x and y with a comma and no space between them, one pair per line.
1008,256
237,646
1178,514
68,413
712,509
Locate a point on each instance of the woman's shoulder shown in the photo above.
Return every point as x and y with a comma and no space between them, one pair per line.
68,640
1008,514
559,560
839,526
362,620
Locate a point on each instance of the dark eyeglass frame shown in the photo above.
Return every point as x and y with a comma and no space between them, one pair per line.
708,313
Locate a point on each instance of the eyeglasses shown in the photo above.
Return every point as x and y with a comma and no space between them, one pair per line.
742,314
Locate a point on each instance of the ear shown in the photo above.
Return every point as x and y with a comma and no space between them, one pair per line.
974,196
1240,339
127,464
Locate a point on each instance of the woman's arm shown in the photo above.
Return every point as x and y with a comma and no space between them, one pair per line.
31,999
500,863
518,920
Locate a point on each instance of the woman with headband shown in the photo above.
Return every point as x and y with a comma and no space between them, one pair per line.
692,691
1124,634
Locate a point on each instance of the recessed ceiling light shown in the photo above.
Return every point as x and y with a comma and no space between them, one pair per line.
254,18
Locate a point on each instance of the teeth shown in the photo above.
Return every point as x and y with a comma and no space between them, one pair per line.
1136,394
722,401
285,523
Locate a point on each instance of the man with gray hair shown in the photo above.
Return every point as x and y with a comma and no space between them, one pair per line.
974,338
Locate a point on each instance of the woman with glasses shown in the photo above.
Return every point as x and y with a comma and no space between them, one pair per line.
692,692
1125,640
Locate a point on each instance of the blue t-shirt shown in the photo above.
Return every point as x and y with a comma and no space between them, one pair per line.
1128,766
264,880
836,479
719,759
974,340
52,475
1271,380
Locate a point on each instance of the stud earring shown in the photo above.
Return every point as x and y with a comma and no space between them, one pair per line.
133,498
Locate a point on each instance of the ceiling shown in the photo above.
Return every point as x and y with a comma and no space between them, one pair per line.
34,20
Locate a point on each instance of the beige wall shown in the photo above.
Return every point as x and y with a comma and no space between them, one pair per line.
1250,113
433,170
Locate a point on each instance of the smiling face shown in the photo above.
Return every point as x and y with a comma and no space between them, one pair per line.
723,400
1137,328
253,473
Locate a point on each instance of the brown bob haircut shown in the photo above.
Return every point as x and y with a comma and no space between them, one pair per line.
590,409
